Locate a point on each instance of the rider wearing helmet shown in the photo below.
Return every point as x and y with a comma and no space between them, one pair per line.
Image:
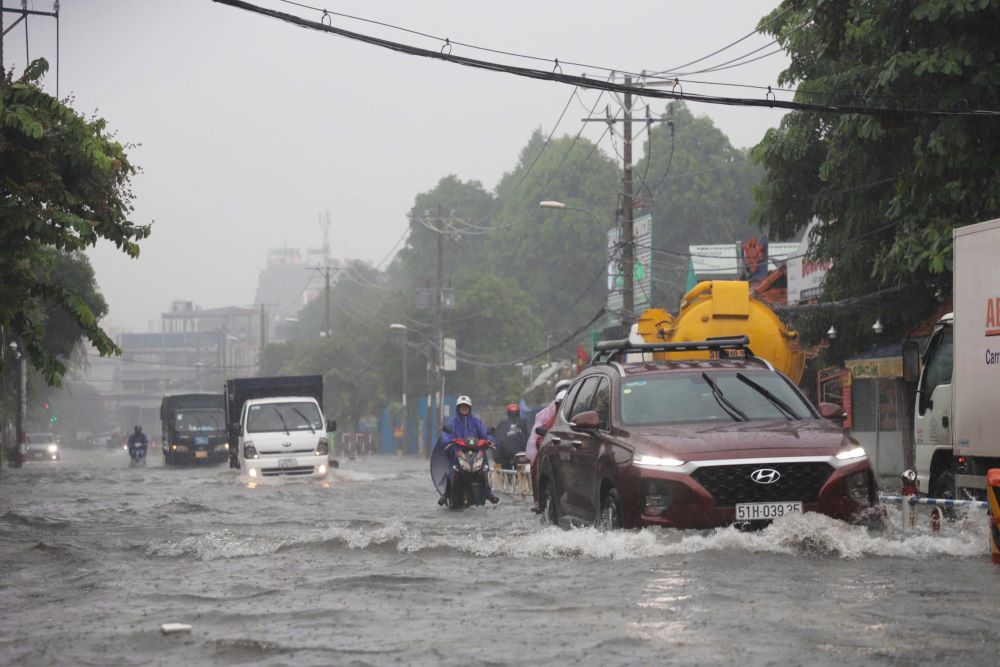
465,425
512,436
137,438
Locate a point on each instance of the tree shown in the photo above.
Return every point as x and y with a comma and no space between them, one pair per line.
64,186
888,189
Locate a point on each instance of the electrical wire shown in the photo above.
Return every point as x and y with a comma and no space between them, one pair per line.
583,81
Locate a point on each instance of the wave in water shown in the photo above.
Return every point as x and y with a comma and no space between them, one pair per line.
809,535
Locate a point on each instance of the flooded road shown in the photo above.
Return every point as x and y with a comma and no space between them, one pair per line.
367,569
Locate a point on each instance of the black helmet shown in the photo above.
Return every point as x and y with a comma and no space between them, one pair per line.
138,429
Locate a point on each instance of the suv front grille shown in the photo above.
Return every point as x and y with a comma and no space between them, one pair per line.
731,484
277,472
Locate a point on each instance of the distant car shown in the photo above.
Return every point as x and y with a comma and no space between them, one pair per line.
41,447
697,444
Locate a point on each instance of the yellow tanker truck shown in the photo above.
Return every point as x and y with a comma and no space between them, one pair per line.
723,308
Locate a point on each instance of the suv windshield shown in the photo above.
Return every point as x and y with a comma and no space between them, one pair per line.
199,420
40,438
293,416
687,397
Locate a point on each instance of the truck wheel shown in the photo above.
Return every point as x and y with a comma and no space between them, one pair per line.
943,486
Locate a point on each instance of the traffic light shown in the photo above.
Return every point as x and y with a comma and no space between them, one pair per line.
45,406
53,418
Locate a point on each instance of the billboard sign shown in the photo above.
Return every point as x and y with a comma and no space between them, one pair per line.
806,276
642,270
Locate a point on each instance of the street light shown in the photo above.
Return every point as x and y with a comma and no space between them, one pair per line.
551,203
402,329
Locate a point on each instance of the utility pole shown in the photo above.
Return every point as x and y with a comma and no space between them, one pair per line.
628,246
437,314
628,200
326,291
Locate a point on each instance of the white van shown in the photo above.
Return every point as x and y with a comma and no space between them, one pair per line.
283,436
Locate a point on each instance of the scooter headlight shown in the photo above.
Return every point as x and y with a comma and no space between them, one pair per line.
465,465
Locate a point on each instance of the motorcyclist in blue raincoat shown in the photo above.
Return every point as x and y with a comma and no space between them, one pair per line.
465,425
136,440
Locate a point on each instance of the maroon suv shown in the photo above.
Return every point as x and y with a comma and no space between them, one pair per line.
696,444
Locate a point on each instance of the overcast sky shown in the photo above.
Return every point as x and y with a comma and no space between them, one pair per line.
249,127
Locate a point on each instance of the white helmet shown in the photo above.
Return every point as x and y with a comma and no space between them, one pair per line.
464,400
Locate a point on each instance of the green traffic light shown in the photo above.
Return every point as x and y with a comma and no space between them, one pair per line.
53,419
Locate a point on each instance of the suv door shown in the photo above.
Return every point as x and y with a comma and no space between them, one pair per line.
553,454
578,444
586,450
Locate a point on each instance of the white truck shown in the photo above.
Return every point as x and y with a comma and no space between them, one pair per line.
956,423
276,427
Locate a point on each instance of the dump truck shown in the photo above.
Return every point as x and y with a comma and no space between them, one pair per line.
724,309
956,422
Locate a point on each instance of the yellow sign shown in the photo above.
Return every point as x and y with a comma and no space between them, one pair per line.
888,367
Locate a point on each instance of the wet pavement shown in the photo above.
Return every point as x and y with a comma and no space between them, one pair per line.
367,569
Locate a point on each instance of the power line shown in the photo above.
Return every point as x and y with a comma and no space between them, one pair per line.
584,81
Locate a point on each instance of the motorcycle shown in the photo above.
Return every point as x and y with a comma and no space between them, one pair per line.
464,486
137,454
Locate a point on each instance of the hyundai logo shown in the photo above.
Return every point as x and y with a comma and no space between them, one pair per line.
765,476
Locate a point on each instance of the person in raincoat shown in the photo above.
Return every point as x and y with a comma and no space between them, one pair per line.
465,425
512,436
545,418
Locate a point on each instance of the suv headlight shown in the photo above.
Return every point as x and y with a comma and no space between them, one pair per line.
657,461
52,449
322,448
852,453
249,451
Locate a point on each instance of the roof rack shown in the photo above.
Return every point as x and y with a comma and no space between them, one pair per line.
606,351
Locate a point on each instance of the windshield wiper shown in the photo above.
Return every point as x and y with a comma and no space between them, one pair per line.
774,400
304,418
283,422
724,402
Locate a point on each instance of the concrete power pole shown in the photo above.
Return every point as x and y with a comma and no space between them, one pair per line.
439,285
628,245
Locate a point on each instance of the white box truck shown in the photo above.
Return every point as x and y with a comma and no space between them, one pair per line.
276,426
956,423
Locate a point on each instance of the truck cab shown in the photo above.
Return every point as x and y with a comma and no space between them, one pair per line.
932,420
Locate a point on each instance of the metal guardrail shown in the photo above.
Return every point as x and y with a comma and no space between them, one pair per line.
515,482
934,502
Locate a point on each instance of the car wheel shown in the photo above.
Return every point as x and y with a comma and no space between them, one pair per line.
550,512
611,511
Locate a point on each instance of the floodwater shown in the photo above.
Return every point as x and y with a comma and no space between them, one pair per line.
367,569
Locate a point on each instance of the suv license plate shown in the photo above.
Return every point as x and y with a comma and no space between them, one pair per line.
287,463
201,455
766,511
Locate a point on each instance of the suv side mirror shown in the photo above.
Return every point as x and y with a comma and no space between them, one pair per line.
911,361
833,412
331,425
587,421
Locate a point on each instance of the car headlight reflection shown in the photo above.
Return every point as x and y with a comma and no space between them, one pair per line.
658,461
852,453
